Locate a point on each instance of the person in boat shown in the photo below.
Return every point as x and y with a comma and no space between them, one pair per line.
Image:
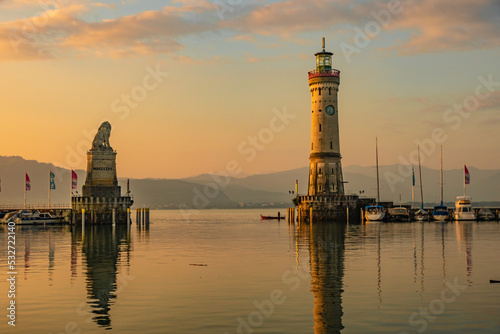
279,215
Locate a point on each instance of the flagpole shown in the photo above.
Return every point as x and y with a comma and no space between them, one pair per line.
24,192
464,181
49,189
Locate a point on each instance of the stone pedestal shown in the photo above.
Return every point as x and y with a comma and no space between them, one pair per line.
101,174
101,195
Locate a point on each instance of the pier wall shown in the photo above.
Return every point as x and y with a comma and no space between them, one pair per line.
99,210
328,208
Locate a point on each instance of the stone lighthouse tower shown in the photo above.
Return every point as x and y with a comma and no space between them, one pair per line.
325,199
325,171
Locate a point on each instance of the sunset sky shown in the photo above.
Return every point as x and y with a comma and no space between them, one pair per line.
191,85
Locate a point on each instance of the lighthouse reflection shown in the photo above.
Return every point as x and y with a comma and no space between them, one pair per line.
326,243
102,250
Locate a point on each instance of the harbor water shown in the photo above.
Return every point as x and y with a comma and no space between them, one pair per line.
226,271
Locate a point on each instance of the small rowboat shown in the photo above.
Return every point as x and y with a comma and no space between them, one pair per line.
271,217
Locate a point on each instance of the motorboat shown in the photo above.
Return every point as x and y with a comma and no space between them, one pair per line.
399,214
463,209
27,217
485,214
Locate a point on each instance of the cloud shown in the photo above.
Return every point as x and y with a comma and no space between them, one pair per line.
422,26
448,25
103,5
63,32
430,26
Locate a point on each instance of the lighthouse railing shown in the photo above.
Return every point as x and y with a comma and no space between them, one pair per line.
324,73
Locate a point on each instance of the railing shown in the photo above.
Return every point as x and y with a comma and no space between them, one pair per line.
35,206
324,73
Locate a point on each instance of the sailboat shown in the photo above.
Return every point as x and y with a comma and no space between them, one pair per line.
375,212
440,212
421,214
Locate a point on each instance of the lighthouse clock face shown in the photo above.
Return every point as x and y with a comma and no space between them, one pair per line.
330,110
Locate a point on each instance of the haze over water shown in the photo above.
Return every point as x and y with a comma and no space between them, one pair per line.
226,271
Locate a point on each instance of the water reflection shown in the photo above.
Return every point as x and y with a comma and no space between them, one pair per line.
102,246
465,235
326,243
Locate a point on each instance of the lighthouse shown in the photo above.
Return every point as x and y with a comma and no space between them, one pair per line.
325,199
325,170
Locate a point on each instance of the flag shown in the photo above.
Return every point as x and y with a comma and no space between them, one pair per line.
52,182
28,183
467,175
74,180
413,175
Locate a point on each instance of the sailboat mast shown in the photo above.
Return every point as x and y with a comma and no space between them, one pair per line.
420,174
464,180
378,182
441,174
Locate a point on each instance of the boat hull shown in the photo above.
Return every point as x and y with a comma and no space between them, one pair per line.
375,216
440,217
24,221
271,218
465,216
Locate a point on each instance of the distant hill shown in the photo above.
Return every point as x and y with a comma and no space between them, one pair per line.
212,191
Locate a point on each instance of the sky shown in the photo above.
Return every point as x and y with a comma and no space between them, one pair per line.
199,86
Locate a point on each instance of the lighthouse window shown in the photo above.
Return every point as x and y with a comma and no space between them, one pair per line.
332,171
320,110
312,111
320,128
320,171
331,145
319,188
319,91
330,91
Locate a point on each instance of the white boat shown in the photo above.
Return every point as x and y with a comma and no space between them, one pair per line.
463,208
485,214
421,215
440,212
375,212
26,217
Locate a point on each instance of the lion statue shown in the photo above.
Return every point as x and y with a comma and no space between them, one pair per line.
101,139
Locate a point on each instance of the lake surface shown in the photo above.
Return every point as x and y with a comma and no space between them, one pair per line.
226,271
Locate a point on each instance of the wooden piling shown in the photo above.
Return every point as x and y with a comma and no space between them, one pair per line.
128,219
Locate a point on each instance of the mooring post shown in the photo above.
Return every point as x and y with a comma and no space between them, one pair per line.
147,216
128,219
83,218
